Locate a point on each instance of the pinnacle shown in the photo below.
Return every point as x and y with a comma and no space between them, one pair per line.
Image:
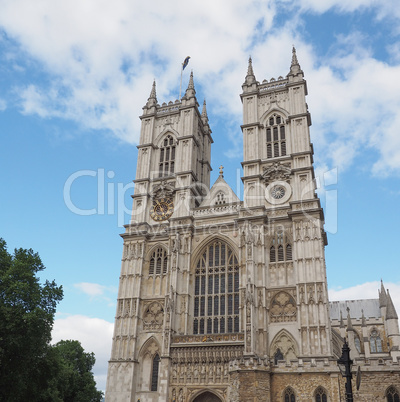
250,68
190,91
294,57
204,112
390,309
250,77
191,82
349,325
153,91
382,296
295,68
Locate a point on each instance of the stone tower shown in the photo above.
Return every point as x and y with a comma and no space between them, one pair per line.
221,299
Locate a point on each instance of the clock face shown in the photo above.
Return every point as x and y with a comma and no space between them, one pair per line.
162,209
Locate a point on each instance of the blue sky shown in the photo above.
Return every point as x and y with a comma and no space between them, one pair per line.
73,79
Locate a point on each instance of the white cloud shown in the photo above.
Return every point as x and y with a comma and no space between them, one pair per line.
102,67
94,334
91,289
368,290
3,105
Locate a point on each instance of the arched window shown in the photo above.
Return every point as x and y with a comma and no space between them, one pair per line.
220,199
216,291
289,395
154,373
392,395
281,248
276,143
158,262
375,342
167,157
320,395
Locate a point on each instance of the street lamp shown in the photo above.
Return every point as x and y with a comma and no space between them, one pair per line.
345,364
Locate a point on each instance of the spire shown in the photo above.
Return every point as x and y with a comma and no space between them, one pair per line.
294,57
250,77
152,100
191,83
204,115
295,68
382,296
349,324
204,118
390,310
190,91
153,91
363,322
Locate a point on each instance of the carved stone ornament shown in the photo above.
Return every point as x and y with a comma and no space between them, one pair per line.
163,190
276,172
283,308
153,316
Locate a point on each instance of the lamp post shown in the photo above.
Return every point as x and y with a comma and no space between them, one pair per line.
345,364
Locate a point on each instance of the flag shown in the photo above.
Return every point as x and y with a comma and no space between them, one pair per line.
185,62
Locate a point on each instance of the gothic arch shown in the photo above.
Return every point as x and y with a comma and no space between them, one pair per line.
150,346
148,353
376,344
210,239
285,344
321,395
216,288
167,131
283,308
276,109
392,394
207,396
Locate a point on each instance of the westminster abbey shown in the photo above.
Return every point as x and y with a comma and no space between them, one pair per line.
226,300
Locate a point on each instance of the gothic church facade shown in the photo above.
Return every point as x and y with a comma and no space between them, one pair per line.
226,300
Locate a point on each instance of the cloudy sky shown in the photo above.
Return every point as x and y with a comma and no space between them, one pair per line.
75,74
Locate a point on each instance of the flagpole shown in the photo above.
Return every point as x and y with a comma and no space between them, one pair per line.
180,87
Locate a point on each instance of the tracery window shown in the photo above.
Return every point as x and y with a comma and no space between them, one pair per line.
158,262
154,372
216,291
289,395
281,247
392,395
320,395
220,198
276,139
375,342
167,157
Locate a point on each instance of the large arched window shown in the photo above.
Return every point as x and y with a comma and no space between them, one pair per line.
276,141
375,342
320,395
392,395
216,291
154,373
167,157
289,395
158,262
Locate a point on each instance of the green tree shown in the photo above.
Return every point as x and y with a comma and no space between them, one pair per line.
27,310
30,368
75,381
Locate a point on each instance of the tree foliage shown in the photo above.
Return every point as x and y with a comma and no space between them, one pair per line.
30,368
75,382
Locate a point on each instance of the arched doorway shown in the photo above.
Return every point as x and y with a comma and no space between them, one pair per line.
207,397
